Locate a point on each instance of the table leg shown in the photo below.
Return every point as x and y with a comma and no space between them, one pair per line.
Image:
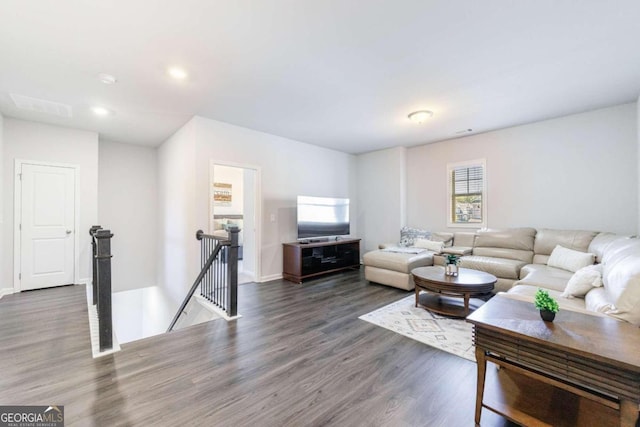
482,370
628,413
417,295
466,304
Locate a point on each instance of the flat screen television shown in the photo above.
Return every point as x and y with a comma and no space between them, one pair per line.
322,217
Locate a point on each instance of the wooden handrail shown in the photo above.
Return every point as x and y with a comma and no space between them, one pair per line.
228,297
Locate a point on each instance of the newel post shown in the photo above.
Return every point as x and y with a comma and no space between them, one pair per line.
103,262
232,273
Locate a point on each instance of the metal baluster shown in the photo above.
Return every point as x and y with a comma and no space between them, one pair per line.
207,252
212,282
215,283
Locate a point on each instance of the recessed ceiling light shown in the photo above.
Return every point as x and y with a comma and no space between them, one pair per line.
420,116
101,111
177,73
107,79
464,131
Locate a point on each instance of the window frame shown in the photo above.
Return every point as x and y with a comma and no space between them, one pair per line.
450,193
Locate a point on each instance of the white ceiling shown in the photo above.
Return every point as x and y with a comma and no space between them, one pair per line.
341,74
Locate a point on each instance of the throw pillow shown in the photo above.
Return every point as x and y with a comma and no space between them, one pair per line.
583,281
408,235
436,247
568,259
442,236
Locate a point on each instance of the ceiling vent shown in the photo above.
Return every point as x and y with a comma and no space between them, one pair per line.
42,106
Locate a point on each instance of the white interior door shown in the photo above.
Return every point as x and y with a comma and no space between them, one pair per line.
47,226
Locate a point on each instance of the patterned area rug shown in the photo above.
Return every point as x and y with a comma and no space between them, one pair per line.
450,335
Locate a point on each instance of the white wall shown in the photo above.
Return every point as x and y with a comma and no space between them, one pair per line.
638,136
381,190
127,185
178,250
288,168
39,142
571,172
7,286
249,240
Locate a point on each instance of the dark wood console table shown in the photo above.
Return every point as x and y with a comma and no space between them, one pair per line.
591,357
305,260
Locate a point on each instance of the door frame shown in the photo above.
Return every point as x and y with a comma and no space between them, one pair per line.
257,204
17,217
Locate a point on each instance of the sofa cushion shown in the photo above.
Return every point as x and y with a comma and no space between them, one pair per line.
508,238
583,281
601,242
543,276
464,238
442,236
503,285
621,278
389,278
546,240
401,262
597,300
458,250
540,259
441,259
568,259
515,254
499,267
511,243
436,247
527,293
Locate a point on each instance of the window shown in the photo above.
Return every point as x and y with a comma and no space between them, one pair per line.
467,194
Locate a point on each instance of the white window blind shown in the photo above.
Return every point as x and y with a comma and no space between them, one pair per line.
466,189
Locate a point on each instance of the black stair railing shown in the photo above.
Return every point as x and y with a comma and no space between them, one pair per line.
101,283
218,277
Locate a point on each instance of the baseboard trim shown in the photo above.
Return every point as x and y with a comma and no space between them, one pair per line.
5,291
214,309
270,278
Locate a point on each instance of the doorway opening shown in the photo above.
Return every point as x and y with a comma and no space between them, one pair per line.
235,201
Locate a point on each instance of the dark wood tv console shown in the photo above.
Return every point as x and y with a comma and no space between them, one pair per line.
304,260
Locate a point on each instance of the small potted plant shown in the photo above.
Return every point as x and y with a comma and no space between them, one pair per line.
547,305
451,268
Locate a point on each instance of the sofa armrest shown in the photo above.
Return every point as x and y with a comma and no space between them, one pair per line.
458,250
386,245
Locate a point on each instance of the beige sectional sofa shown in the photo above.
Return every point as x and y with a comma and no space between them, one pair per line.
392,263
520,258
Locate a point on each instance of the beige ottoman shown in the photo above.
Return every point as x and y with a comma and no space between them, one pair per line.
393,268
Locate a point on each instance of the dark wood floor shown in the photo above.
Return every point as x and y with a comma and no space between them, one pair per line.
299,356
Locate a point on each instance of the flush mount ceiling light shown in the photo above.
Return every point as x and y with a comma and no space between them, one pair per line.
107,79
420,116
101,111
177,73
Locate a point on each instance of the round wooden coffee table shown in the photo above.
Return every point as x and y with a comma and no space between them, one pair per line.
441,289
